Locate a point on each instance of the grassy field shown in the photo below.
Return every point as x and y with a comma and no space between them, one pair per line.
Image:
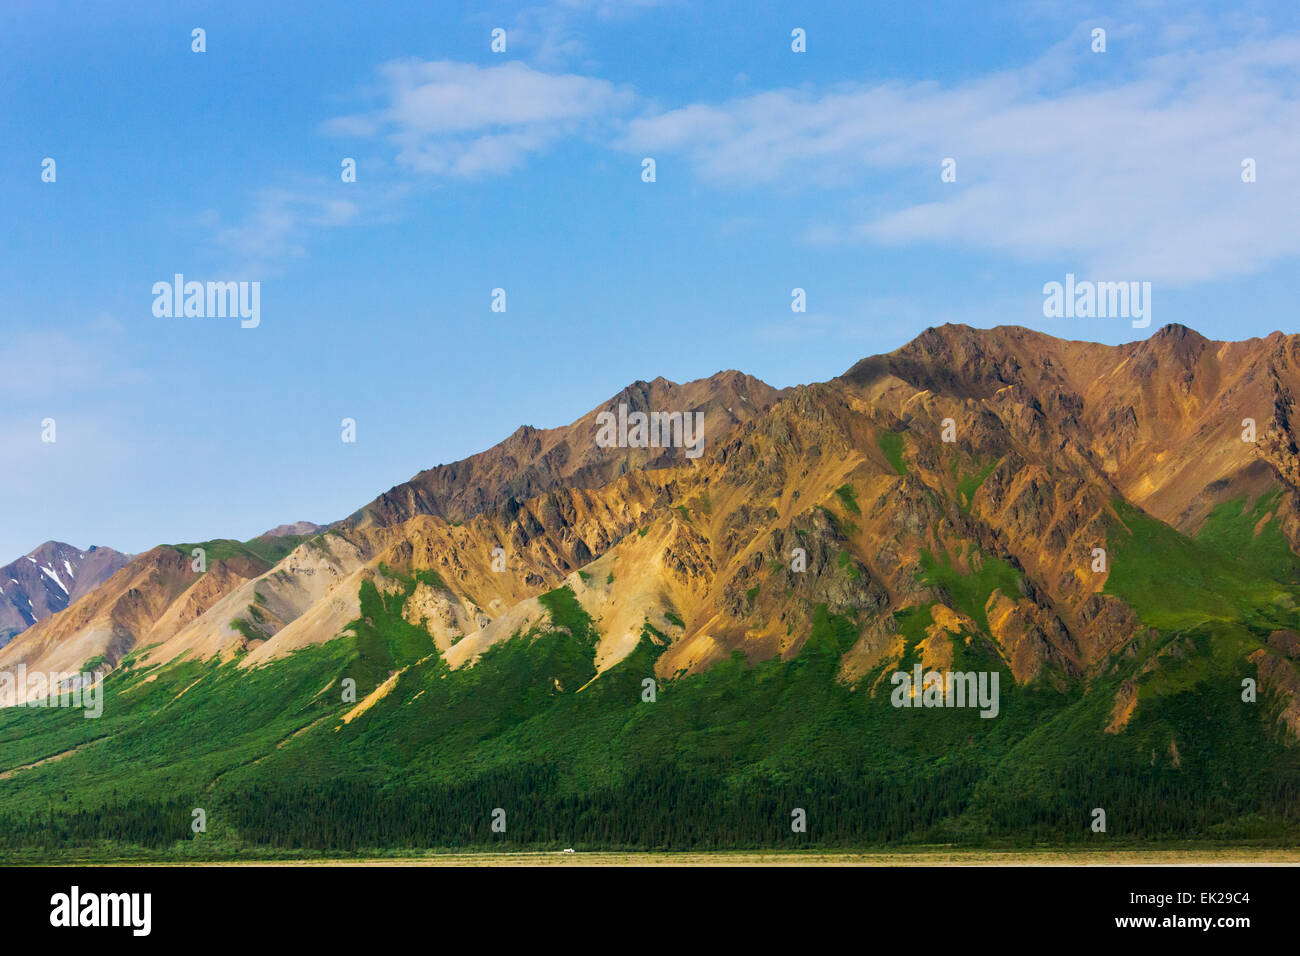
919,857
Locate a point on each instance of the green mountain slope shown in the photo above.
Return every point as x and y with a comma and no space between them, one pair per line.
719,759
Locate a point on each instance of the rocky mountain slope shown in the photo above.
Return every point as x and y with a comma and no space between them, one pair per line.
1046,435
857,471
154,603
532,461
1112,528
45,581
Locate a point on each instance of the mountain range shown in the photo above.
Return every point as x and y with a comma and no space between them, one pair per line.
641,649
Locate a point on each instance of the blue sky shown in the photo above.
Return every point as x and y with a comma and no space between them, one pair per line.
478,170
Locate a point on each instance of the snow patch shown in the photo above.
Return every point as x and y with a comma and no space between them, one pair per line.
50,573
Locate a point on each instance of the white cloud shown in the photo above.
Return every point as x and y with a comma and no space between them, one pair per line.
1132,178
451,120
462,120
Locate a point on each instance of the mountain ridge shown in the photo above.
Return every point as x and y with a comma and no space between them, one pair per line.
1093,524
995,366
551,458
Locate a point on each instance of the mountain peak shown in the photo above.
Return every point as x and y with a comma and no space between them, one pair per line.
47,546
1177,343
1176,332
532,460
47,579
296,528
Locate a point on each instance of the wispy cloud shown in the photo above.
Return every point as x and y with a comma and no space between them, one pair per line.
553,34
277,226
465,121
1138,176
281,222
1120,166
443,120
